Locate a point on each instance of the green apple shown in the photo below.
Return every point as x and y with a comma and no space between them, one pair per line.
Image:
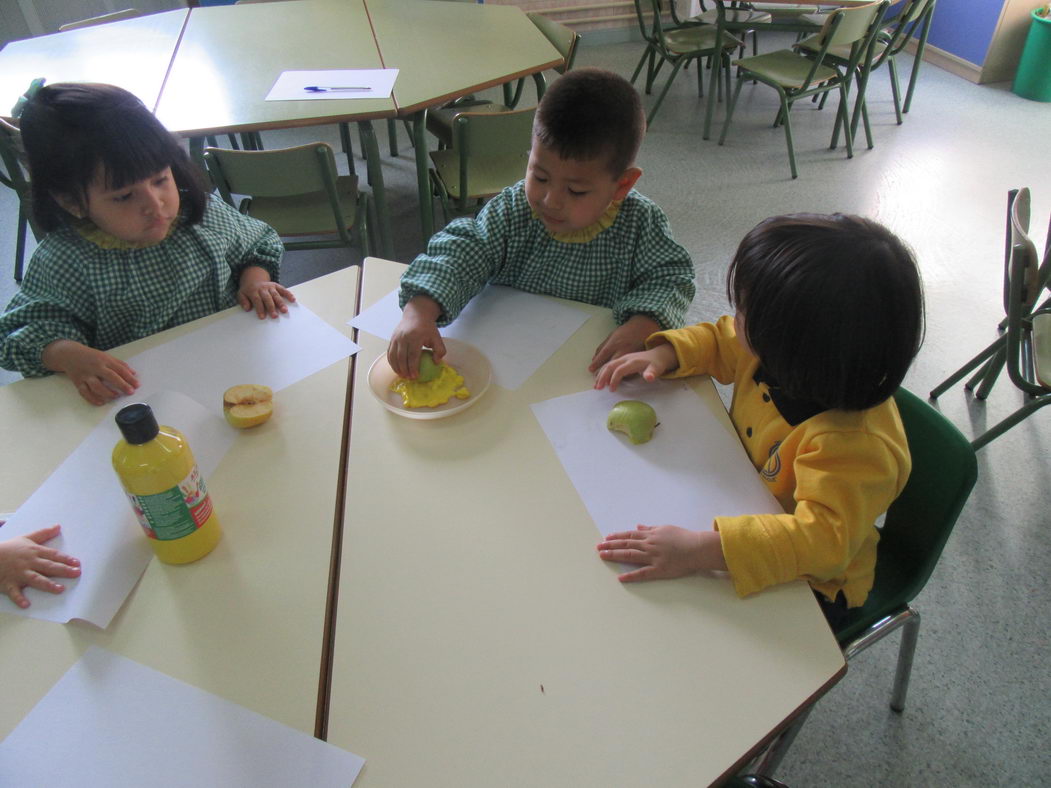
429,368
634,418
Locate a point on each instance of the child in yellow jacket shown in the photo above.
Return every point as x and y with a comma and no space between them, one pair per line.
829,317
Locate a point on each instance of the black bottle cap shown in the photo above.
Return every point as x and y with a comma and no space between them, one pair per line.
137,423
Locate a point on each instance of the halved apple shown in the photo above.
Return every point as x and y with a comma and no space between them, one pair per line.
248,405
634,418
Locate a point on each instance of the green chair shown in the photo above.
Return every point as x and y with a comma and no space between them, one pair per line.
914,16
678,46
564,39
13,174
795,76
1024,347
296,191
914,532
489,153
741,16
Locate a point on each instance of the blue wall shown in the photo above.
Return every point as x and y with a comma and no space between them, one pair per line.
965,27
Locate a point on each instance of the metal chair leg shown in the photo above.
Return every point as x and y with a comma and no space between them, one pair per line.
775,753
910,634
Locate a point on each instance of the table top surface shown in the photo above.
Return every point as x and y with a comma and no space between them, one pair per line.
480,639
247,621
132,53
476,47
230,57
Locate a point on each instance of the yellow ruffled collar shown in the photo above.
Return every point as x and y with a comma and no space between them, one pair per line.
591,232
91,232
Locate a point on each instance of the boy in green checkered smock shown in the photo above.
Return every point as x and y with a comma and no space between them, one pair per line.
574,228
134,243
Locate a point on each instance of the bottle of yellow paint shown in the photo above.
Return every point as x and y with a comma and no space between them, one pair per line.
164,486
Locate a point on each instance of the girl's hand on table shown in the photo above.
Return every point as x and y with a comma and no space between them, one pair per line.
651,364
24,561
98,376
627,338
264,296
664,551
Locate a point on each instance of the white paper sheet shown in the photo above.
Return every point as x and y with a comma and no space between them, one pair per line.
241,348
111,721
291,85
692,470
98,527
515,330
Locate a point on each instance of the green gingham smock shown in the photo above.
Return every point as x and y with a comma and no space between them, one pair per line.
632,266
100,296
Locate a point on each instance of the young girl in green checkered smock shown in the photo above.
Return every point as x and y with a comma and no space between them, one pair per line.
134,243
573,228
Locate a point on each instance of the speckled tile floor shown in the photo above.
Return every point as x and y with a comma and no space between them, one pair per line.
979,706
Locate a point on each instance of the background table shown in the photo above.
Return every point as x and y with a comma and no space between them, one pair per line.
247,622
133,53
480,640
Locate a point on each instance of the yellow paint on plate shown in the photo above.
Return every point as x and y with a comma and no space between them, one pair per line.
443,388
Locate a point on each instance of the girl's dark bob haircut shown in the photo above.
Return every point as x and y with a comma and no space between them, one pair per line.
833,307
72,132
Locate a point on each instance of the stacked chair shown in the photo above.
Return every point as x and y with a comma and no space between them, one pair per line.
1024,344
14,175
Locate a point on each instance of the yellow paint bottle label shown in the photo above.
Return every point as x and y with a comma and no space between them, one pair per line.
176,512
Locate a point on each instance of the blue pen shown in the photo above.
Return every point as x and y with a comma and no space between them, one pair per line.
326,89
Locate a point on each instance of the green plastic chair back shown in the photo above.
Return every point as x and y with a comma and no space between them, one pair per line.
562,38
295,190
918,523
489,153
13,175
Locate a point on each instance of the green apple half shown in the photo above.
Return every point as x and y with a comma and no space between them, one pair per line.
634,418
429,368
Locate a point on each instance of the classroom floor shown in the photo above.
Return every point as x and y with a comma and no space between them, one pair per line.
979,705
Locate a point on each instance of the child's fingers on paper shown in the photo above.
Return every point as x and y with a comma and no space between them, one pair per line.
44,534
15,593
41,583
52,567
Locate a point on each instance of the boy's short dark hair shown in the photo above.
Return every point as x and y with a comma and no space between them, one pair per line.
71,129
590,113
833,307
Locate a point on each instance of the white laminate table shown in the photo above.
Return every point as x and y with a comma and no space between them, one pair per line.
246,622
480,640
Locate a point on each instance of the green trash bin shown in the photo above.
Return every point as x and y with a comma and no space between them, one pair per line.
1033,78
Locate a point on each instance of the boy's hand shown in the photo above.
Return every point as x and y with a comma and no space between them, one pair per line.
24,561
628,338
651,364
98,376
664,551
257,292
417,329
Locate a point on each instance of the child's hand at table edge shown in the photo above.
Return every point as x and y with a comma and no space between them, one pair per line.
651,364
627,338
256,291
98,376
24,561
417,329
664,551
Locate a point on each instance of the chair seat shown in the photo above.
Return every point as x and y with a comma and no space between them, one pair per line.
785,68
306,214
487,175
696,39
1042,348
